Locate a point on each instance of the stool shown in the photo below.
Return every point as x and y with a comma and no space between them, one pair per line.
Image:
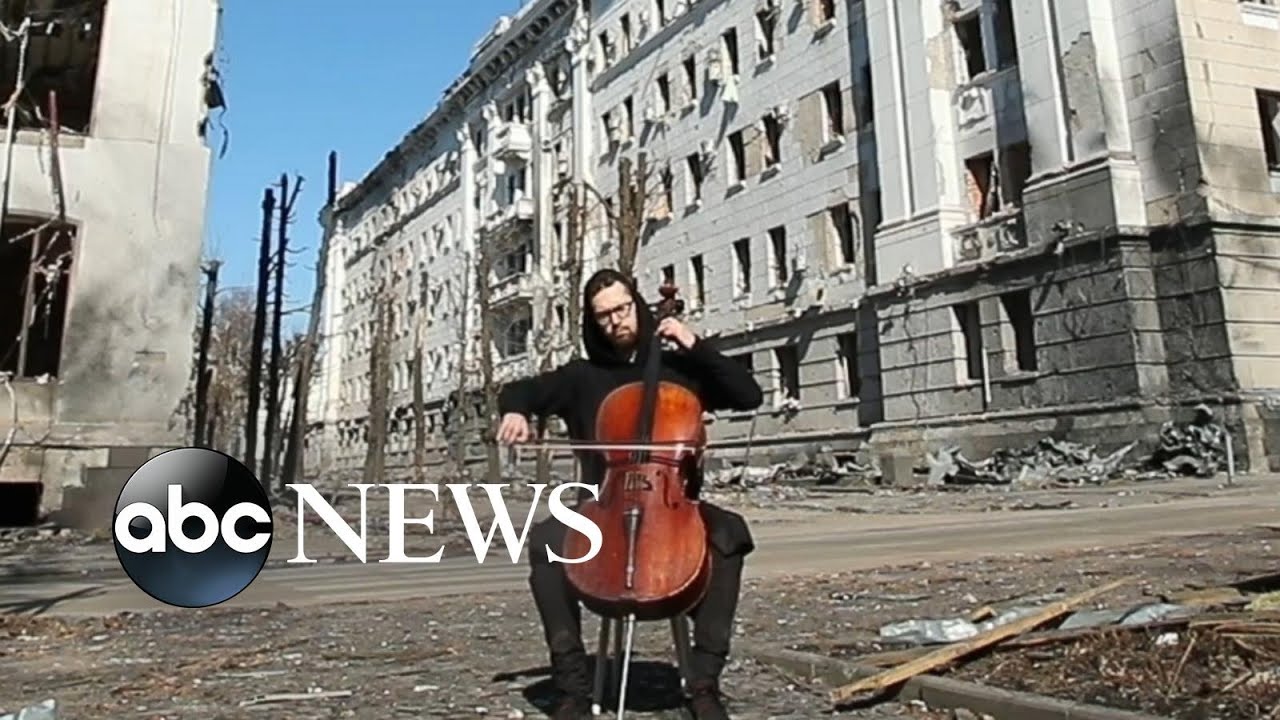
621,659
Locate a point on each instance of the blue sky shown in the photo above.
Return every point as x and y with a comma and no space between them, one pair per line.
303,77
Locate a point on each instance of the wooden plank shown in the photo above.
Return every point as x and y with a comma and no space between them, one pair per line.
947,654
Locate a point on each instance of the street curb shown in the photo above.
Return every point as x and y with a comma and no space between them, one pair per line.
939,692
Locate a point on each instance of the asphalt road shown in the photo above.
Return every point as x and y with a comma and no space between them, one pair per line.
822,542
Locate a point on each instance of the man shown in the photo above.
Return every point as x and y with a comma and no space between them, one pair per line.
617,331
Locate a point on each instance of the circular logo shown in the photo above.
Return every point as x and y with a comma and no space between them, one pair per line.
192,527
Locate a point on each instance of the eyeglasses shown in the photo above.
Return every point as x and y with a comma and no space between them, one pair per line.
617,312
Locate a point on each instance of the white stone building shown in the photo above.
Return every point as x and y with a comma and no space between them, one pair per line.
971,223
103,228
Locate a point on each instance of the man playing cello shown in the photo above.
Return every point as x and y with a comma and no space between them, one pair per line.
617,330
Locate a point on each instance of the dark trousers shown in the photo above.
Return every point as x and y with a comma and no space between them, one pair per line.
561,614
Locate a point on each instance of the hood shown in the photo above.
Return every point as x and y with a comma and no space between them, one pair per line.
598,346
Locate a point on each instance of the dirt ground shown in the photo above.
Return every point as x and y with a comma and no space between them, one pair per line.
467,657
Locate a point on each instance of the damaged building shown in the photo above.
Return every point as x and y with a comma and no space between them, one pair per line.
103,206
476,182
970,223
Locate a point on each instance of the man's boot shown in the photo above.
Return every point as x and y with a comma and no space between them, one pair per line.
572,676
706,702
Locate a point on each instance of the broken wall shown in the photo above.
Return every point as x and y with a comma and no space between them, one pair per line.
134,191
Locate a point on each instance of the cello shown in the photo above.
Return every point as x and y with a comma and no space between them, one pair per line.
654,561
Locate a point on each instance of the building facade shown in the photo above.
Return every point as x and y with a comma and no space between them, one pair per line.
103,221
971,223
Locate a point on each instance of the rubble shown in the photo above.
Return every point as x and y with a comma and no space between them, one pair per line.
47,710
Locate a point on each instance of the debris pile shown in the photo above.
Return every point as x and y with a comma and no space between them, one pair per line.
1049,460
1197,448
822,468
47,710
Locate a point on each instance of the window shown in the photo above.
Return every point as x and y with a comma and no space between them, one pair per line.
1021,327
669,275
834,111
626,33
1269,114
847,357
826,10
742,266
691,78
606,48
866,97
787,361
778,255
61,63
694,165
664,93
969,34
1006,37
773,141
729,42
628,118
841,224
766,30
978,170
968,323
738,157
698,275
660,11
35,271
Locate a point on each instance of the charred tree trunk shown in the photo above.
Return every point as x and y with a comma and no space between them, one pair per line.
457,418
259,333
489,390
295,455
271,433
379,366
203,436
419,413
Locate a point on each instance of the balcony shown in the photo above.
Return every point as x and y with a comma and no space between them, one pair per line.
510,289
513,141
991,97
512,216
990,237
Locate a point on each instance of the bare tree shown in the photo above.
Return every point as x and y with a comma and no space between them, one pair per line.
229,369
419,410
379,387
456,426
488,389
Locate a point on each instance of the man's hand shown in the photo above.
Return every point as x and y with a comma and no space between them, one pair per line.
677,331
514,428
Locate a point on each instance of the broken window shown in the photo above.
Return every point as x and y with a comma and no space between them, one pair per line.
1015,162
694,165
866,98
831,101
1006,37
730,42
773,141
847,356
742,266
664,93
842,228
515,340
978,181
826,10
778,254
626,33
766,30
60,64
1269,114
1021,330
699,276
738,156
691,78
969,35
35,272
969,324
787,361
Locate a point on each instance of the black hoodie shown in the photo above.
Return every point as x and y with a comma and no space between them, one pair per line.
574,391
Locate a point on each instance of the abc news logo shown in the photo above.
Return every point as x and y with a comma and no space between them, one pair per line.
193,527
